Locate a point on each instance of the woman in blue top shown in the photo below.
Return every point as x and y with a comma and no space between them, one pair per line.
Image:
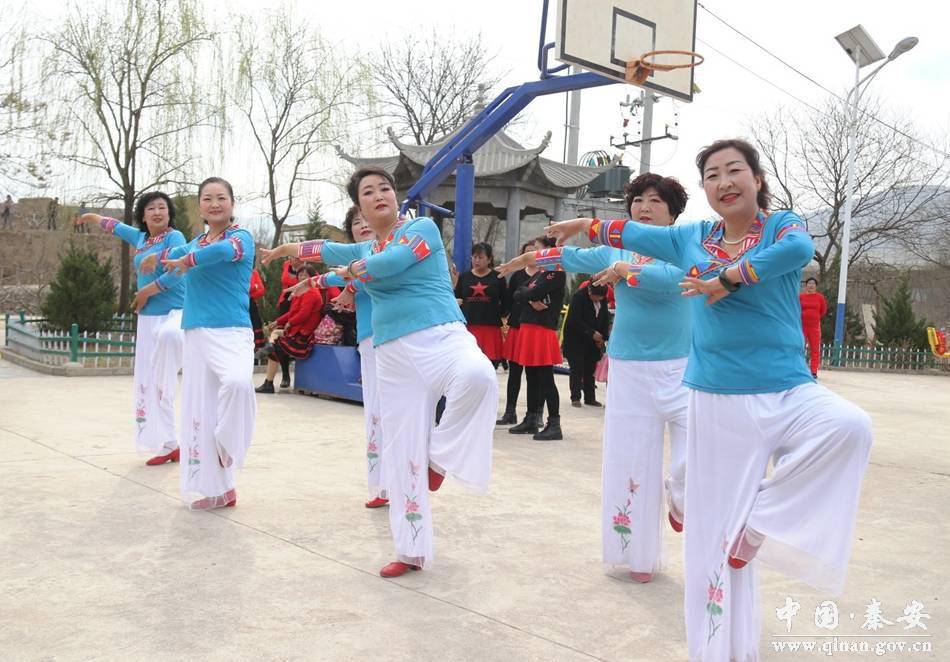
158,336
752,402
218,407
645,393
423,352
359,231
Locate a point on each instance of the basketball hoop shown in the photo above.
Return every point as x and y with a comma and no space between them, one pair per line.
637,71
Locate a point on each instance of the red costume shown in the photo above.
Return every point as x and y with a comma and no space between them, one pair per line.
814,308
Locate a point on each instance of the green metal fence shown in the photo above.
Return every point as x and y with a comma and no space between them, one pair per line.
30,337
877,358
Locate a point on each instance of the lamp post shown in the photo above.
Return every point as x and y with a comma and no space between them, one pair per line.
862,50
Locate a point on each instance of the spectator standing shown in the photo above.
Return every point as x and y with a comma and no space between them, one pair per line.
585,337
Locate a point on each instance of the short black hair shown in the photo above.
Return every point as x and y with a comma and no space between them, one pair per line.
217,180
547,242
597,290
307,268
811,279
669,189
484,247
144,201
352,187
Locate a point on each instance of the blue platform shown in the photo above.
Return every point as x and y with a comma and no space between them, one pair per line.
331,371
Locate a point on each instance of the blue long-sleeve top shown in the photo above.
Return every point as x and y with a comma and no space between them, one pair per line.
652,320
171,294
406,277
751,340
217,283
361,300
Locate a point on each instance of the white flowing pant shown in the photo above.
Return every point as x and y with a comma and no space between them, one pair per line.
217,409
158,354
371,417
805,510
643,398
414,371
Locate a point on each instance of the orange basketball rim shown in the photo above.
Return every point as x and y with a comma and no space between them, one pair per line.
637,71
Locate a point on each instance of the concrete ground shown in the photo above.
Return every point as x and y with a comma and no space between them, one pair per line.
100,560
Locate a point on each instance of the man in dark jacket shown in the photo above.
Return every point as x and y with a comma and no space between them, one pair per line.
585,336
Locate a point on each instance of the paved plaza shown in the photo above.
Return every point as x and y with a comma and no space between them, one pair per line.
100,560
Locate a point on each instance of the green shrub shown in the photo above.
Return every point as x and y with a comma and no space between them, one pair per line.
82,292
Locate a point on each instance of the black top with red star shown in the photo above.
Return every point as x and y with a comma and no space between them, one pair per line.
483,298
548,288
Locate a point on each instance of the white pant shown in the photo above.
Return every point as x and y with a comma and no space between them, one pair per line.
217,409
158,353
643,397
371,416
819,445
414,371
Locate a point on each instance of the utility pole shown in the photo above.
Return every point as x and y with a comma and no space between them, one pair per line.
573,126
646,133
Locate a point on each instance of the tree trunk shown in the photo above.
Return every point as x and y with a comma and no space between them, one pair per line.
125,261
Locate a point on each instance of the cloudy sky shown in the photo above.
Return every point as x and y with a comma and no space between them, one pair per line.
739,80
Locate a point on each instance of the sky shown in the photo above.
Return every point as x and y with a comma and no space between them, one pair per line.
739,81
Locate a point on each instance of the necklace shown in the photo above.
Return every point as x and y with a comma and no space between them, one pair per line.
732,243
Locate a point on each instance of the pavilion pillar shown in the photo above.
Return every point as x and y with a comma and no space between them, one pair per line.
513,224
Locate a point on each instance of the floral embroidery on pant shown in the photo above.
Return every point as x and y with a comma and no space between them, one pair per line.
714,597
412,506
140,418
372,451
194,463
622,522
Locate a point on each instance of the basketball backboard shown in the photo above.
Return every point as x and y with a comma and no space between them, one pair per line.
603,35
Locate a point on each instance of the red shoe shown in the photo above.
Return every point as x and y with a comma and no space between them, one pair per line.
745,549
397,569
641,577
435,480
162,459
226,500
378,502
677,526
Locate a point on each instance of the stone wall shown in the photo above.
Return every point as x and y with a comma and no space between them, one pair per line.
29,259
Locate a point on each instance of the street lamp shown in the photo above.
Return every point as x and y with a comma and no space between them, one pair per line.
862,50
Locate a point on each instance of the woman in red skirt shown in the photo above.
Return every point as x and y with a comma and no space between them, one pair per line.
481,295
538,349
298,323
510,348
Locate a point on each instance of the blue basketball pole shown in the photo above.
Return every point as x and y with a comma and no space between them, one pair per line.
464,209
456,155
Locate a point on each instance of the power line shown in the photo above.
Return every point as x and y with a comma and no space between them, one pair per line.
809,79
760,77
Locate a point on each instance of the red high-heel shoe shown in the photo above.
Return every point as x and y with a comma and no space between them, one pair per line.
378,502
162,459
397,569
435,480
226,500
641,577
677,525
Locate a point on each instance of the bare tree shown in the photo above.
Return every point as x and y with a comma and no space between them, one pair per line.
429,88
293,93
129,85
23,113
900,187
